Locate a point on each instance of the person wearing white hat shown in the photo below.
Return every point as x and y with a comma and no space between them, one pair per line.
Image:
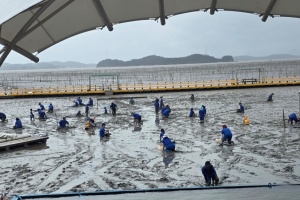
168,144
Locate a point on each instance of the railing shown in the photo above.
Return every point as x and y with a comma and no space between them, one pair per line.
150,87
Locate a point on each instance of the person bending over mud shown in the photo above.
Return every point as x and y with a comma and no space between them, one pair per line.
270,98
136,117
63,123
210,174
2,117
102,132
166,112
192,113
168,144
18,123
293,117
192,98
226,135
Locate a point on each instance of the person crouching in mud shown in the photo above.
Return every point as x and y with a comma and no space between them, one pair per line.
50,108
137,118
270,98
226,135
166,112
293,117
2,117
168,145
18,124
210,174
102,132
63,123
192,98
192,113
241,109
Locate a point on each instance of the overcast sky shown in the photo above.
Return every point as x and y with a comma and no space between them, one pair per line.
225,33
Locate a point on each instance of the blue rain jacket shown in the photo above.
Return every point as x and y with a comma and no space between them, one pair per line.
18,124
102,132
167,112
209,173
63,123
226,132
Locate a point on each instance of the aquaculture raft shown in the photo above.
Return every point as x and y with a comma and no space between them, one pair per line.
22,141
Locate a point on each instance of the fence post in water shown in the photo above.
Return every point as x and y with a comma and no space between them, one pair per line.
96,88
126,86
226,83
150,86
142,86
32,89
188,84
165,85
210,82
134,86
195,84
218,82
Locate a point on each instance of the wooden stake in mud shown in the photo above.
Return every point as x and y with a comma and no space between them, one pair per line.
283,118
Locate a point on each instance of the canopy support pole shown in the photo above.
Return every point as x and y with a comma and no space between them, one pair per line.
213,7
162,15
23,29
102,13
268,10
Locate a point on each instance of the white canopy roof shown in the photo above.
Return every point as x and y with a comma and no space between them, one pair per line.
29,26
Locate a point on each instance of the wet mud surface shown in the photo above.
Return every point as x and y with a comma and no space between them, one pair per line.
76,160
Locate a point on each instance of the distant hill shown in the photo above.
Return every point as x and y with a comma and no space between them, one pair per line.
45,65
271,57
158,60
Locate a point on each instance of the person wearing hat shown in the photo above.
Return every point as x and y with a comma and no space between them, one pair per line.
63,123
270,97
168,145
18,123
192,113
103,132
210,174
50,108
31,115
226,135
87,110
90,102
241,109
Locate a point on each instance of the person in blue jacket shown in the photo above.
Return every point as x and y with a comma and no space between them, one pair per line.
87,110
42,106
192,113
79,100
210,174
201,115
161,135
241,109
137,117
226,135
161,103
293,117
42,114
90,102
63,123
103,132
2,117
166,112
131,101
31,115
50,108
76,104
113,108
18,123
156,105
270,98
204,109
105,110
168,144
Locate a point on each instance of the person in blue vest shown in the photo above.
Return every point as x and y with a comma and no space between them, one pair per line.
270,98
293,117
156,105
201,115
192,113
131,101
167,112
79,100
76,104
161,135
2,117
42,114
90,102
105,110
226,135
63,123
102,132
50,108
18,123
168,145
137,117
210,174
42,107
241,109
113,108
161,103
31,115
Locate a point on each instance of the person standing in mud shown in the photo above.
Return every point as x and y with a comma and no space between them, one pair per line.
87,110
102,132
201,115
90,102
161,135
31,115
270,98
156,105
161,104
113,108
192,98
210,174
42,107
50,108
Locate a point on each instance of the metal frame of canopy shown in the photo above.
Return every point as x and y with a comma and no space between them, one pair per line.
163,10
